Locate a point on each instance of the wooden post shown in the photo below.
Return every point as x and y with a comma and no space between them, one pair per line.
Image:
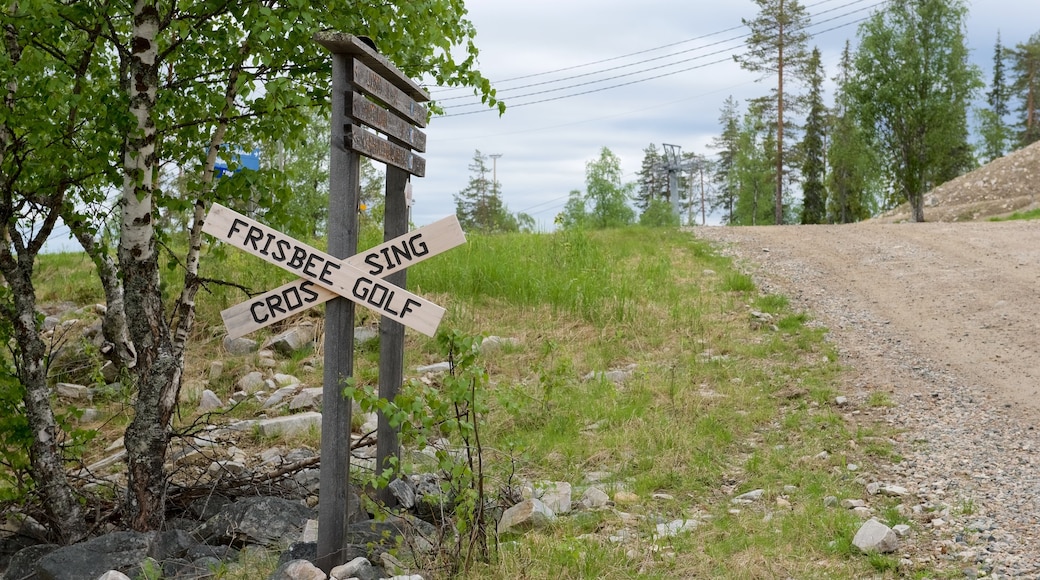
391,332
344,187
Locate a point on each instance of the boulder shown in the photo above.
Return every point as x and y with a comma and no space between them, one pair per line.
297,570
239,346
874,536
264,521
23,563
528,514
209,402
292,340
122,551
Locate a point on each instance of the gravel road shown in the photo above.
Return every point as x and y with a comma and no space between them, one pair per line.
945,319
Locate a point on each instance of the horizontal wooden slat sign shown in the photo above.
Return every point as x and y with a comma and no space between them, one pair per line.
322,270
378,262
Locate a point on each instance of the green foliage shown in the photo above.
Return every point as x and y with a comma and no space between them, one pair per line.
753,170
451,409
854,166
659,214
1019,215
724,177
605,204
992,124
912,87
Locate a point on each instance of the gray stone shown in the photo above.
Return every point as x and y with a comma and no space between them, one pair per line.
894,490
113,575
171,544
441,367
852,503
51,322
556,495
109,372
73,392
352,569
209,401
116,551
751,496
841,400
528,514
901,530
307,399
616,376
674,527
239,346
494,343
593,498
284,380
290,424
23,563
279,396
297,570
830,501
216,370
264,521
250,382
363,335
874,536
404,492
297,338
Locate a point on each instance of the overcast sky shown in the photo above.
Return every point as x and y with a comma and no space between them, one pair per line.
551,129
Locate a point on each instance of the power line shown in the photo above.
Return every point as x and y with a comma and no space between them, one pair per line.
659,67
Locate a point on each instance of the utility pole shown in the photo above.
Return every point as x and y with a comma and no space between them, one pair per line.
494,183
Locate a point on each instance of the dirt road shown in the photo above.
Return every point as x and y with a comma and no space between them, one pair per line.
964,295
945,319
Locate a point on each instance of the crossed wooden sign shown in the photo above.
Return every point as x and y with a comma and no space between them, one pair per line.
323,277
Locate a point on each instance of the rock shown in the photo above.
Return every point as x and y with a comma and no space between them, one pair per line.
874,536
113,575
73,392
357,568
902,530
265,521
494,343
310,531
674,527
90,559
209,402
830,501
290,424
23,563
307,399
292,340
216,370
841,401
363,335
441,367
404,492
239,346
894,490
556,495
109,372
749,497
852,503
625,497
250,382
528,514
297,570
279,396
616,376
594,498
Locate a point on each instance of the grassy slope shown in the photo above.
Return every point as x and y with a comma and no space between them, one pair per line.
720,404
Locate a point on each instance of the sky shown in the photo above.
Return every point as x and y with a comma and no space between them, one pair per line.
628,74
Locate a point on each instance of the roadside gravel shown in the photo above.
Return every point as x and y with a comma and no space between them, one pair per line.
945,319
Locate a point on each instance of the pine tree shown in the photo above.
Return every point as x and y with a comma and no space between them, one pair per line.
479,205
777,44
650,179
727,145
752,172
993,128
1026,64
814,194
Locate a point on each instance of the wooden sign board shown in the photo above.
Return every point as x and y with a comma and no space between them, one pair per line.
322,269
370,83
370,145
380,261
384,121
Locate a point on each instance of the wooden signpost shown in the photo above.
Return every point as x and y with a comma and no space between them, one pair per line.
377,112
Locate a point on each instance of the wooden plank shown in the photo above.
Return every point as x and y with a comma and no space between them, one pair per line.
371,145
380,261
324,270
369,82
341,43
384,121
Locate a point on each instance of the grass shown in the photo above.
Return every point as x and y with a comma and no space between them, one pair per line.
718,404
1019,215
